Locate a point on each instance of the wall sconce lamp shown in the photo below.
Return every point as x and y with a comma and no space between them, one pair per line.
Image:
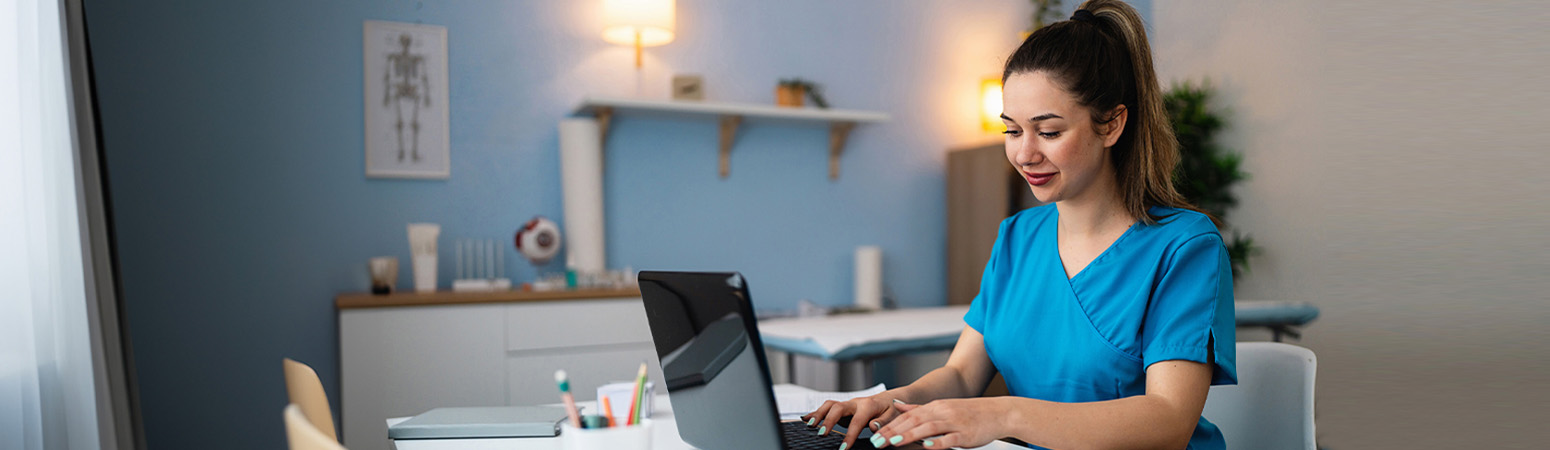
990,104
642,23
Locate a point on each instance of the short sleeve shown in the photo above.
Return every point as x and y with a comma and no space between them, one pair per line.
1190,314
989,281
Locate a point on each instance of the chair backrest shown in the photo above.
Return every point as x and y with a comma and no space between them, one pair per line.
1271,407
302,435
306,392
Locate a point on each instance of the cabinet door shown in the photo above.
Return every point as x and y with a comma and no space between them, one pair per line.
577,323
398,362
530,378
596,342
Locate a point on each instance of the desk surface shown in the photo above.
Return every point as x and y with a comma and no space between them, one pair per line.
664,435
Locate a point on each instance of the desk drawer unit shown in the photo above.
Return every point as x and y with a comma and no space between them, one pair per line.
402,361
576,323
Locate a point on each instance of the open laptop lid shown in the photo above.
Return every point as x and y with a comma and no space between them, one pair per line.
707,339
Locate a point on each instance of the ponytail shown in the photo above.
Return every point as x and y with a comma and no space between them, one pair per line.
1102,58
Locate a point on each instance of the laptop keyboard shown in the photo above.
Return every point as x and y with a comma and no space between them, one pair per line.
800,437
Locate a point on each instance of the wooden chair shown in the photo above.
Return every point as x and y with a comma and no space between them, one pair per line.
301,433
306,393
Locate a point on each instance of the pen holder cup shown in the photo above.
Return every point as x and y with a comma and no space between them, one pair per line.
635,437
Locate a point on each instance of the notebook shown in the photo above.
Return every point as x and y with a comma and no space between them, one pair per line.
481,422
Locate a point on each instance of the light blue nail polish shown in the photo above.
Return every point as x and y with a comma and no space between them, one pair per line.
927,442
843,445
896,440
812,421
877,440
823,430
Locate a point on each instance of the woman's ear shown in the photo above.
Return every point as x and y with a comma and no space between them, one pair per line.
1115,126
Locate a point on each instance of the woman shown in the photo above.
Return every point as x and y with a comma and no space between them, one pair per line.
1109,313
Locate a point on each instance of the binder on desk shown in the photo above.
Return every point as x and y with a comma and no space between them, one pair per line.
481,422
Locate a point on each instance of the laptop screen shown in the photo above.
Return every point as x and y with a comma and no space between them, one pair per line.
716,374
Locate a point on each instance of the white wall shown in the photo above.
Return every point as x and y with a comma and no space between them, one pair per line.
1400,165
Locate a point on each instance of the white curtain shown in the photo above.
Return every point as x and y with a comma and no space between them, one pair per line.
47,394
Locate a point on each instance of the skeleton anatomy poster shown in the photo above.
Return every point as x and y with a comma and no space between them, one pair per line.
406,101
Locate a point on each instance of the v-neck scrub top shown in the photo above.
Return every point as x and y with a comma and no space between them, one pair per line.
1158,293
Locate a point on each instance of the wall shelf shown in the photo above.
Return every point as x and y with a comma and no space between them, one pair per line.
731,116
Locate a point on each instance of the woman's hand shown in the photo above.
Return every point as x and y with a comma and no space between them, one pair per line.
969,422
874,411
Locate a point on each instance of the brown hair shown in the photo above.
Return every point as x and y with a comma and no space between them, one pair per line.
1102,57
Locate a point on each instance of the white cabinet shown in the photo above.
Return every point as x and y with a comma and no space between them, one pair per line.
404,360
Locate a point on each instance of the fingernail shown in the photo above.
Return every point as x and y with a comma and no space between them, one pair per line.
927,442
896,440
876,425
878,440
844,445
901,402
812,421
823,429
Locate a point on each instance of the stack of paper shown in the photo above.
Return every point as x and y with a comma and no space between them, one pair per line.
794,401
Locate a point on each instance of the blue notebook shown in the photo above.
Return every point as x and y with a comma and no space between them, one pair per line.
481,422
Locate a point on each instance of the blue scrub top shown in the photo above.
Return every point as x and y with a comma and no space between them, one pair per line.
1158,293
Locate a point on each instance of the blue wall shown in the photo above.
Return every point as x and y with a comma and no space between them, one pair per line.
234,149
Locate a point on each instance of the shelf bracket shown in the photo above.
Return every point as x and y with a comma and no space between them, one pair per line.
838,132
729,125
605,115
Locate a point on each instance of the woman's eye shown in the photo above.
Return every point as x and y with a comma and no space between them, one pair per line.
1049,135
1012,132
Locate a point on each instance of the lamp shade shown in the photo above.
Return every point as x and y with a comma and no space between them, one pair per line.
990,104
651,20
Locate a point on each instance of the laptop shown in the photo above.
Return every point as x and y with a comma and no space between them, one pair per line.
717,376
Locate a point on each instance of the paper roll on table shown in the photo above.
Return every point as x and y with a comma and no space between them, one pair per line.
869,277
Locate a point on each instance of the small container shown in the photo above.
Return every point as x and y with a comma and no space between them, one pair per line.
425,273
621,393
384,274
635,437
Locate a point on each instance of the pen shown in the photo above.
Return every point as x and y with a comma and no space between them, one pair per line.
608,411
635,400
570,401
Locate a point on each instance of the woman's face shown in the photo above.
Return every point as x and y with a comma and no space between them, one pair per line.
1052,141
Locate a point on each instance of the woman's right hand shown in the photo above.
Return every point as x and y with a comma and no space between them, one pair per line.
873,411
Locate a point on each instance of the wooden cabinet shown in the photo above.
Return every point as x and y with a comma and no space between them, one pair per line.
982,190
480,350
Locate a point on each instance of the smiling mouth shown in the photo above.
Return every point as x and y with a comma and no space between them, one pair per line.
1039,179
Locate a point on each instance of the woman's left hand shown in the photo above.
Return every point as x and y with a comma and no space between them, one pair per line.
965,422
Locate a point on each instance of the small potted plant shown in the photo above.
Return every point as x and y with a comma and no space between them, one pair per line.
791,92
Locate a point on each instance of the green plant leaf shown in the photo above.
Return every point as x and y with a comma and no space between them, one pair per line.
1207,172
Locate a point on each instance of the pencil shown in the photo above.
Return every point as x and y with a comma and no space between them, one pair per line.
635,400
608,411
570,401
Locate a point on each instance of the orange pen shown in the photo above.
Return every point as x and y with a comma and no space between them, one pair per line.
608,411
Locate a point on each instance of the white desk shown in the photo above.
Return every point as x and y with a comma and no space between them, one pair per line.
664,435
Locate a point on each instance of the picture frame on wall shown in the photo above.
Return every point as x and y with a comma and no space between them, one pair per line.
406,114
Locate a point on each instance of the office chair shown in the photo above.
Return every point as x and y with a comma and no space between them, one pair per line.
1271,408
301,433
306,392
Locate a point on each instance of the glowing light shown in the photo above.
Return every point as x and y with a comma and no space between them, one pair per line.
990,104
